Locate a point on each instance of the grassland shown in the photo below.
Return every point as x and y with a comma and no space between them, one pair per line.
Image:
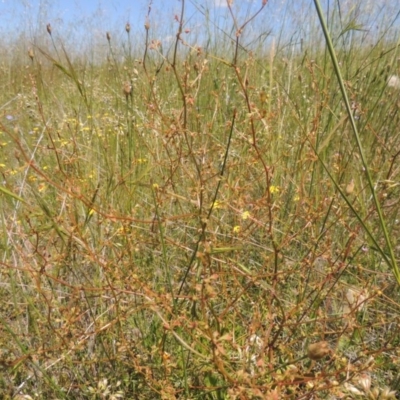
227,229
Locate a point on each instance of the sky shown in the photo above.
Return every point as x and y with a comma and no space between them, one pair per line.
88,20
30,12
80,20
27,14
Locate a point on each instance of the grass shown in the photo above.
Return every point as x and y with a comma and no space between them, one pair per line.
202,237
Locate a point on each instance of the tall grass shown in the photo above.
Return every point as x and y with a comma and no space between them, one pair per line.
228,230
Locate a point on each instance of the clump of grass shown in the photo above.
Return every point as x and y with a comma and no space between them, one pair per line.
208,231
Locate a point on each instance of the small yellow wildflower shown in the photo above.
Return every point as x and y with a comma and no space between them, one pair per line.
217,204
155,186
42,187
236,229
245,215
274,189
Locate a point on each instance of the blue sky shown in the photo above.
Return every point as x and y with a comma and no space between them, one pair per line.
29,14
86,19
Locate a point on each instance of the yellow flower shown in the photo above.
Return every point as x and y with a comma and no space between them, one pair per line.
42,187
274,189
217,204
245,215
236,229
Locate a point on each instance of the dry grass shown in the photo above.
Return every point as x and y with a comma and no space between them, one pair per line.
198,225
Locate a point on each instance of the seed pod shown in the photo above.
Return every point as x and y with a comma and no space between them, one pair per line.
350,187
128,27
317,351
48,27
127,89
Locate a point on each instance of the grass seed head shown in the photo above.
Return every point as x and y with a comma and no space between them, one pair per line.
128,27
108,36
31,54
48,27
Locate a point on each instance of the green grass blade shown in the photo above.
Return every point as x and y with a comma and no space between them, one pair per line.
392,263
11,194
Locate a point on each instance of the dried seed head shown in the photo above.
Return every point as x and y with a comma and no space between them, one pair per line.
356,299
108,36
393,82
31,54
317,351
364,382
386,393
147,24
127,89
350,187
48,27
128,27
